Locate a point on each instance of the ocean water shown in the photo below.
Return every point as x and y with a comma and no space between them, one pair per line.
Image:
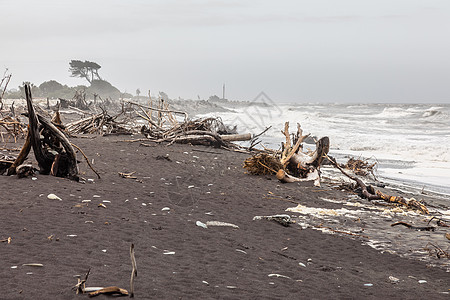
410,142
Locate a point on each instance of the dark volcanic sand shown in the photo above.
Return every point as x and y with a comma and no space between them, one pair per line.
208,263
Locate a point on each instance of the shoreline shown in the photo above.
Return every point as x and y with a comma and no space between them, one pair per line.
158,212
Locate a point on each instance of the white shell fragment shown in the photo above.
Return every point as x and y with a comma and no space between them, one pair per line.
279,276
14,267
53,197
422,281
393,279
201,224
32,265
302,264
165,208
71,235
169,252
368,284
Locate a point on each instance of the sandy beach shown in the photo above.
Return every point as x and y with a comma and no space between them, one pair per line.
177,187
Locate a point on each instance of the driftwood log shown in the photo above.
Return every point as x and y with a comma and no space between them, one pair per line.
370,193
54,152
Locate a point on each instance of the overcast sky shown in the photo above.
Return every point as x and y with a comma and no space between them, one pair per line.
293,50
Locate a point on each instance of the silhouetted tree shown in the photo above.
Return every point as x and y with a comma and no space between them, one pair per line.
84,69
138,92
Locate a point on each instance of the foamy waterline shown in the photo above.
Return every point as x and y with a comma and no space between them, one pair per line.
410,142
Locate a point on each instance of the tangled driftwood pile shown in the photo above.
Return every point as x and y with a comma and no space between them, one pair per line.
52,149
292,164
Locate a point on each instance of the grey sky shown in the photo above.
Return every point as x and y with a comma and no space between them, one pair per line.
294,50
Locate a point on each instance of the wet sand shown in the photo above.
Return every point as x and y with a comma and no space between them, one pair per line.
175,187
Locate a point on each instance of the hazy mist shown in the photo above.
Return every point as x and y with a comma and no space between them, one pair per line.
296,50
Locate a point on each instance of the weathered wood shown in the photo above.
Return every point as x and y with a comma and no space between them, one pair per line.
236,137
289,151
23,154
44,159
370,193
133,271
72,168
111,290
48,161
286,178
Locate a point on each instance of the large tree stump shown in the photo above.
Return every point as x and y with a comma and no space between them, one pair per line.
54,152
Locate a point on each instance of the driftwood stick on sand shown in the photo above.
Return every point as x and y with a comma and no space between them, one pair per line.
81,285
418,228
370,193
134,270
111,290
87,160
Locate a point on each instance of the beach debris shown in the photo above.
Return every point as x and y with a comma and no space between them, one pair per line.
222,224
80,287
33,265
53,197
418,228
242,251
422,281
292,164
111,290
133,271
360,167
279,276
262,164
447,235
393,279
87,161
370,193
54,153
163,126
436,250
201,224
302,264
167,252
439,222
368,284
8,240
25,170
165,208
284,219
101,205
127,175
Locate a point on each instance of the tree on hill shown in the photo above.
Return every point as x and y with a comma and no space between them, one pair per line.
84,69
